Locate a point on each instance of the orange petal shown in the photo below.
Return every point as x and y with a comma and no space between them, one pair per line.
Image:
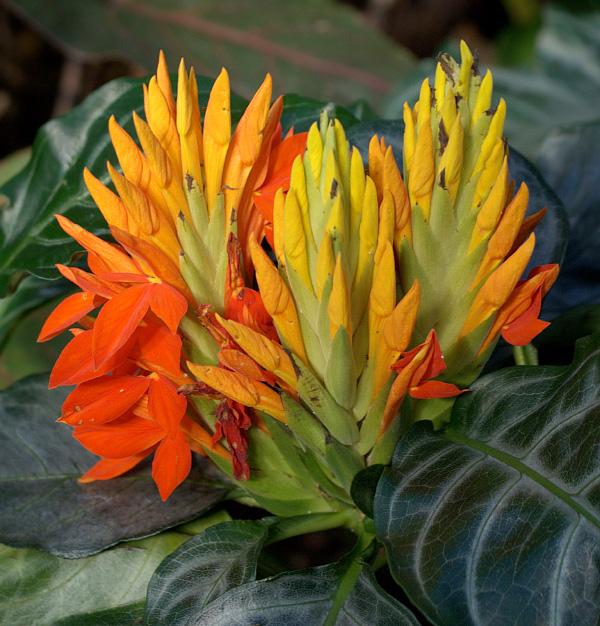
435,389
168,304
160,348
110,468
102,400
120,438
172,464
76,364
67,313
165,405
117,321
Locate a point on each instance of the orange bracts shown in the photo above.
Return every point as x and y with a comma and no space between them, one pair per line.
178,198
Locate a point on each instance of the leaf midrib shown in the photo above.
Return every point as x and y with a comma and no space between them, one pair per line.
515,463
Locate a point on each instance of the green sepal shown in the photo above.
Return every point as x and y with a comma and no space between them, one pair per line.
335,418
326,481
215,234
371,423
340,375
306,427
364,391
200,337
283,438
344,462
323,322
199,284
197,204
304,297
194,248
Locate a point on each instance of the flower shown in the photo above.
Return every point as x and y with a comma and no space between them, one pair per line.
179,201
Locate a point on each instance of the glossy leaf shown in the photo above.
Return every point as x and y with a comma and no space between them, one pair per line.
39,466
103,590
496,519
317,48
570,162
342,594
301,113
206,566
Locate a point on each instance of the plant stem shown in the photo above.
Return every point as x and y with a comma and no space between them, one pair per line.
526,355
294,526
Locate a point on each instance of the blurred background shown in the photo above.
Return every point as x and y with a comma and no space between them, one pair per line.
370,56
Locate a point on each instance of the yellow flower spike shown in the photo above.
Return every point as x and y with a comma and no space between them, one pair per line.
164,83
135,166
163,126
439,87
382,298
450,164
395,335
357,188
464,78
217,132
422,170
111,206
387,224
409,138
248,392
343,154
337,220
498,287
376,161
368,230
189,127
277,300
265,352
245,146
502,241
338,308
294,241
484,97
160,165
325,263
424,111
314,149
332,177
494,133
489,215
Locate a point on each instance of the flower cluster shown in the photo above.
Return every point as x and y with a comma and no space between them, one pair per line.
375,293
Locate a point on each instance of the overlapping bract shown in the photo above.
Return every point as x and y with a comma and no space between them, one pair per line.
179,199
380,292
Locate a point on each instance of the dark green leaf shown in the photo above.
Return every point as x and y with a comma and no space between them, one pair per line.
39,466
108,589
364,486
301,112
343,594
128,615
497,519
318,48
203,568
570,162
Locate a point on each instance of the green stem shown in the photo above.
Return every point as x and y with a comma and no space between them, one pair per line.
294,526
526,355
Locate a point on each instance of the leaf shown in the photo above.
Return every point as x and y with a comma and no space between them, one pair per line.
103,590
551,233
342,594
364,486
203,568
496,519
301,113
564,90
39,466
570,162
315,47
